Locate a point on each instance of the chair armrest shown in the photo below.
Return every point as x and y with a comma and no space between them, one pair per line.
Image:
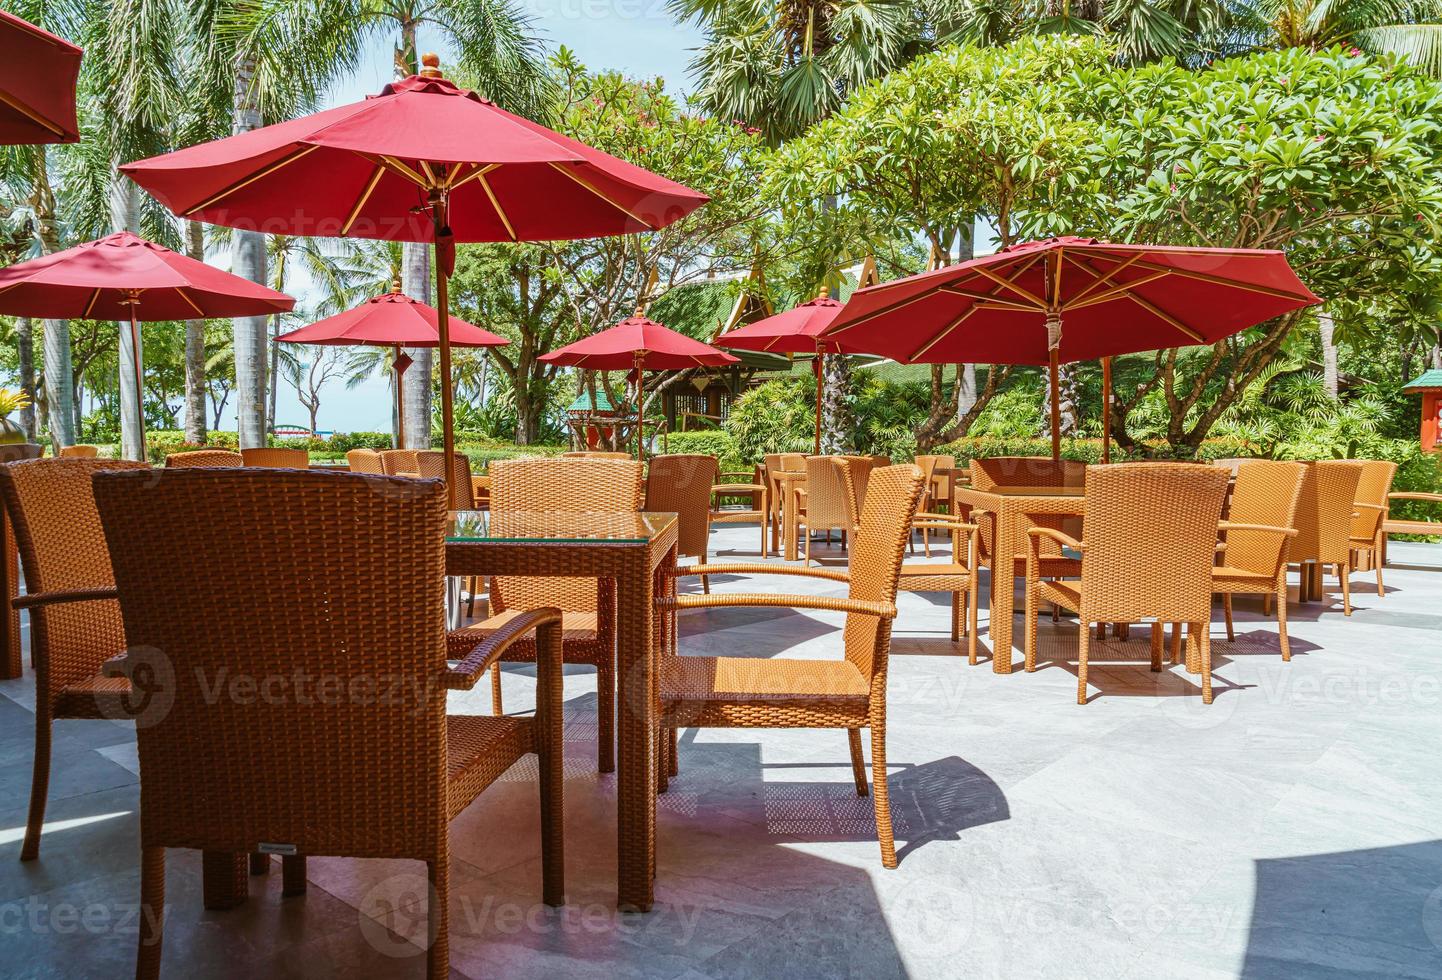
1368,506
1433,497
1290,532
66,595
737,488
116,666
757,568
950,522
465,673
1061,538
884,610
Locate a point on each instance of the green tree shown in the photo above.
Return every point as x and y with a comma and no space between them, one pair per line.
1399,27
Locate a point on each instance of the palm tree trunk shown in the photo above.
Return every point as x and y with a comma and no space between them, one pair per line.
1326,330
195,350
278,285
416,282
55,334
125,216
248,260
25,343
966,375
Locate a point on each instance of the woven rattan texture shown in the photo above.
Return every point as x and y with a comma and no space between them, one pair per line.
205,457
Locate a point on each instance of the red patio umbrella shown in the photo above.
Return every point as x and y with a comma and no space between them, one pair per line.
640,344
423,161
395,320
797,331
1070,299
37,84
124,277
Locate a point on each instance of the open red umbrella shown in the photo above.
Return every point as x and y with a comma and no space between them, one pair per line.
1069,299
125,277
797,331
37,84
391,319
640,344
422,161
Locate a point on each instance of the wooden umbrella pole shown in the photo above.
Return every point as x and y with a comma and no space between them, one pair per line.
443,328
1107,409
400,373
640,405
1054,371
820,368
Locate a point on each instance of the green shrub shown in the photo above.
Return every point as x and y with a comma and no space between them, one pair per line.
775,417
707,442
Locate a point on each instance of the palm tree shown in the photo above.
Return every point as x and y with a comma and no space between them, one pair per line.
1142,30
1402,27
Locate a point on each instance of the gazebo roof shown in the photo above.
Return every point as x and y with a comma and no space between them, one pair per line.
1428,379
583,402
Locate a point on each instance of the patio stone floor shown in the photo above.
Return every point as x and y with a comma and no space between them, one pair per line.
1292,829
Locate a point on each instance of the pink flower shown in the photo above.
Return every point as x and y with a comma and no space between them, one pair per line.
1319,139
1354,52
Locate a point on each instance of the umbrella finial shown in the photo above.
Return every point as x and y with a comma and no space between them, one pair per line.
431,65
396,286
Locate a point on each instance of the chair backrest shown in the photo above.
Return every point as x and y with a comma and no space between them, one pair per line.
1151,539
57,531
397,461
79,451
1335,495
1265,492
277,458
572,485
876,553
364,461
1027,471
594,454
681,484
1232,463
204,457
1373,485
879,461
312,714
832,499
431,464
792,462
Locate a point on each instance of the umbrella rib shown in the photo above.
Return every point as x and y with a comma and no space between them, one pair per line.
1222,281
1102,278
365,196
941,334
1114,292
495,203
26,111
406,172
198,311
94,298
627,211
266,172
988,297
1158,311
1039,303
475,174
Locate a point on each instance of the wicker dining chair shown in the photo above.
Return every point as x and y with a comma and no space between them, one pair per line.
1332,485
1028,471
594,454
431,465
277,457
850,693
588,605
830,500
682,484
364,461
70,592
1261,519
1150,545
398,462
359,774
934,496
1374,484
760,511
78,451
204,457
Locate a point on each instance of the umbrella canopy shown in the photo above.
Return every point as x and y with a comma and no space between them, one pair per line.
391,319
1103,298
638,342
37,85
794,332
122,277
1070,299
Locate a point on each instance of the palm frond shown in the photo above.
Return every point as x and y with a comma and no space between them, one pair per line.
1420,44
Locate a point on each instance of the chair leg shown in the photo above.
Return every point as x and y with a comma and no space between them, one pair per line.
496,706
663,772
1346,588
879,795
438,953
606,716
926,541
1030,645
858,763
224,879
1227,608
1194,649
971,628
471,596
260,864
39,788
1157,630
292,875
1267,599
152,912
1282,617
673,762
1377,564
1081,672
1176,643
956,617
706,584
1205,633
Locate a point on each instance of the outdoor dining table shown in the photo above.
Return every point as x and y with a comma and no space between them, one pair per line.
636,550
1014,507
787,483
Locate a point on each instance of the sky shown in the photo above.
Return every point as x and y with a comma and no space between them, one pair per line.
636,37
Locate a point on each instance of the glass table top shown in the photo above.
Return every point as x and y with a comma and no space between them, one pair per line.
557,527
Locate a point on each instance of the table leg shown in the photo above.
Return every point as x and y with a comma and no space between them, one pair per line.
1003,589
788,520
636,728
11,661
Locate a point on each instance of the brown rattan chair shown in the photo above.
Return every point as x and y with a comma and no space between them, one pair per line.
70,591
594,454
277,457
364,461
682,485
1261,519
1151,540
957,576
1326,535
588,605
761,510
830,501
1402,525
399,462
934,493
1028,471
79,451
431,465
204,457
755,692
359,774
1370,508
